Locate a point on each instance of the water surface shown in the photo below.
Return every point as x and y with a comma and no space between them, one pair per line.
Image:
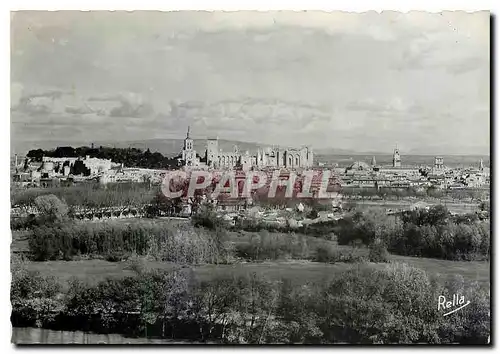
30,335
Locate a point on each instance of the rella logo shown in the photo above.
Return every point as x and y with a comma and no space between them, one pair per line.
457,302
320,184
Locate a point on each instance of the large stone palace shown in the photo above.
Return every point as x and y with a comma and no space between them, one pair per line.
268,157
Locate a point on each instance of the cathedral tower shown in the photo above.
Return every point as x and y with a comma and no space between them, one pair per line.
188,154
396,158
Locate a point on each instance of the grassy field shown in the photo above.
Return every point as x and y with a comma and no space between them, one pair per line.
461,207
298,271
93,271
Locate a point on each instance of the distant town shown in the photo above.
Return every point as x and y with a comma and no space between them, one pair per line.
49,169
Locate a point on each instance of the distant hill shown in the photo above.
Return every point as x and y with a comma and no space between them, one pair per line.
172,147
335,151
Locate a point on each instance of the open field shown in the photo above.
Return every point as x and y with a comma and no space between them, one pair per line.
454,207
299,271
93,271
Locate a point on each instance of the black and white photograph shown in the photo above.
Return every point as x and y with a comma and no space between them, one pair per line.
250,177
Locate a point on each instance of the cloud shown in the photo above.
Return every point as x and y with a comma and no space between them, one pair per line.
130,105
40,103
334,74
257,119
395,105
85,109
58,102
467,64
126,109
16,93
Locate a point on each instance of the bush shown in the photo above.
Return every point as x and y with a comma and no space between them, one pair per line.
323,229
273,246
378,253
396,304
115,257
329,253
34,297
23,223
50,208
208,218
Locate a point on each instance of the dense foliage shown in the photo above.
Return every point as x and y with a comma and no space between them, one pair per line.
273,246
131,157
116,241
431,233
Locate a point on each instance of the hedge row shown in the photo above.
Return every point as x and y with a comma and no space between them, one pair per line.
168,242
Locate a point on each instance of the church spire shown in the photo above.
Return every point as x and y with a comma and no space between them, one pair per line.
187,136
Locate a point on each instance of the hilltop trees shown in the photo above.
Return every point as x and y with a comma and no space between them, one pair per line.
131,157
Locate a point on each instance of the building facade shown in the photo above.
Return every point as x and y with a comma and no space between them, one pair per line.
189,157
268,157
66,165
396,158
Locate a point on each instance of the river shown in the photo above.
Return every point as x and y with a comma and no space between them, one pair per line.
30,335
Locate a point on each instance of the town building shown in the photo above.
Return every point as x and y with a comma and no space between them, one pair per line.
271,157
396,158
189,157
75,165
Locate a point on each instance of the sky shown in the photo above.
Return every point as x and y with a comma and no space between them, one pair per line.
358,81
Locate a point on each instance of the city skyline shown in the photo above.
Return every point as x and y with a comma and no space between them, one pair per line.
361,82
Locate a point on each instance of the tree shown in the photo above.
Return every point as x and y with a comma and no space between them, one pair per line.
437,215
367,226
485,207
36,155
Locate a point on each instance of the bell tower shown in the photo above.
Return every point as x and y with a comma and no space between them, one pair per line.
188,154
396,158
188,142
